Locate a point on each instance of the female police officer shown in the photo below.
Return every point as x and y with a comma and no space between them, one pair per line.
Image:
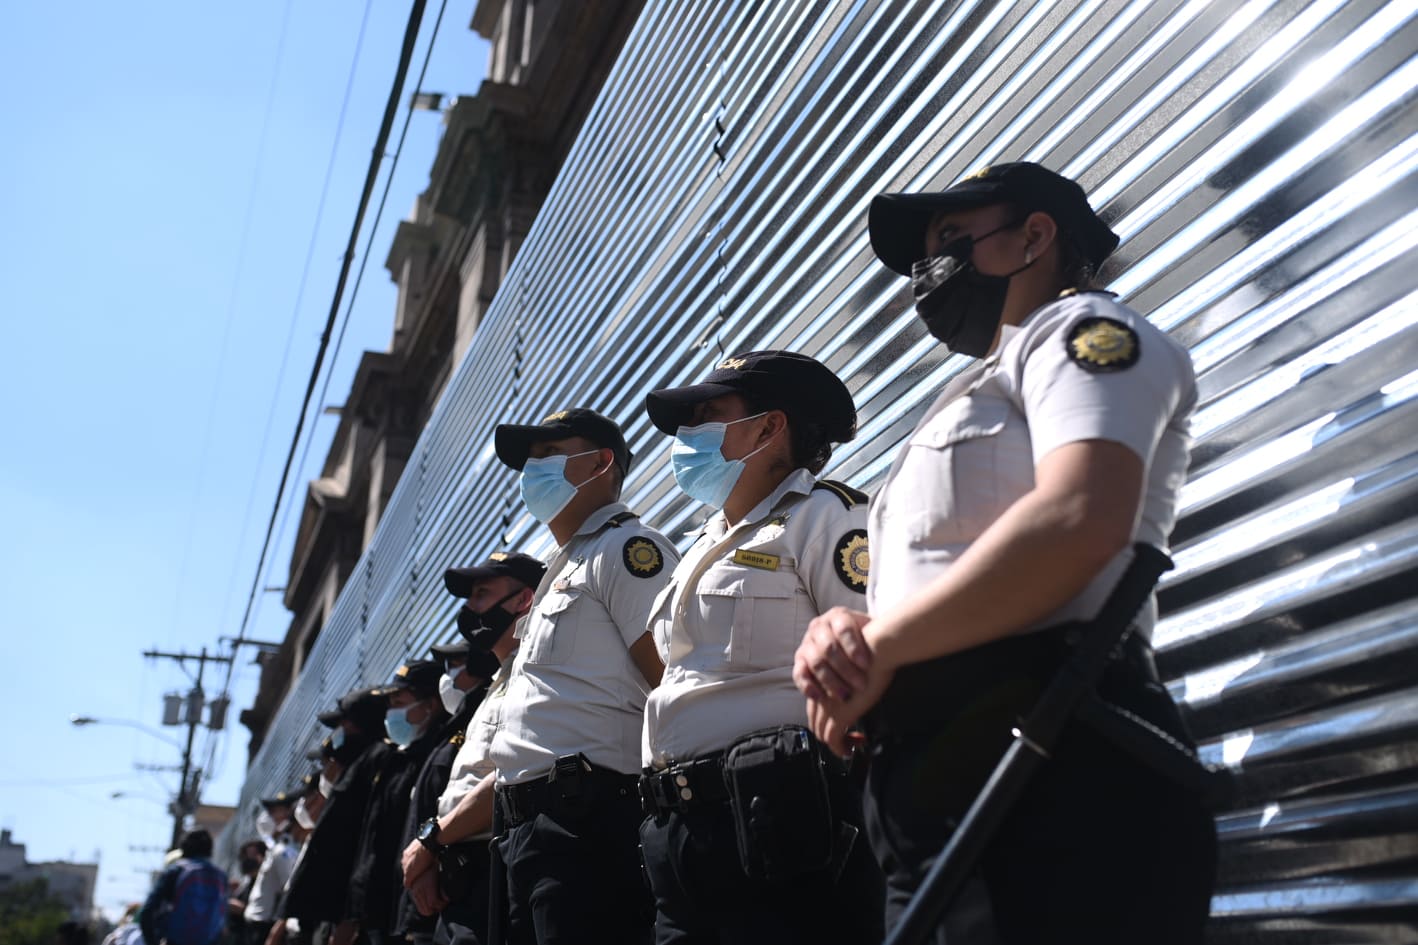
1011,509
750,819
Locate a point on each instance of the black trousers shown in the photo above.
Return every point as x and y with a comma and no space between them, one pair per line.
1100,848
575,876
464,921
702,895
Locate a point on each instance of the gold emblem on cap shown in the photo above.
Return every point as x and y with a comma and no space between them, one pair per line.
642,556
559,415
498,556
733,364
402,671
982,172
1104,343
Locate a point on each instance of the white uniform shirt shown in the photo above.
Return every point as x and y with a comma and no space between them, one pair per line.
271,879
973,453
574,687
472,762
730,620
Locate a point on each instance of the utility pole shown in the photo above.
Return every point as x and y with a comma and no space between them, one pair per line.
186,800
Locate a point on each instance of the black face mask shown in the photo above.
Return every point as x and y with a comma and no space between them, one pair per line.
482,630
960,305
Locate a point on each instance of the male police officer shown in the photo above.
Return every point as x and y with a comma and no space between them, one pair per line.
319,885
497,592
568,749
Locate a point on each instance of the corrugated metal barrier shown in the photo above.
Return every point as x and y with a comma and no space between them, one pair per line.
1258,159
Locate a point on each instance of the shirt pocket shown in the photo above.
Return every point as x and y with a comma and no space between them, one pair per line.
555,620
965,467
758,612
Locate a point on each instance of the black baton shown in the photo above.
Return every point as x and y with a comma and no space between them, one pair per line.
1035,737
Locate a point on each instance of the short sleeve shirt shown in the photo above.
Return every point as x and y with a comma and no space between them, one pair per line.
574,687
1084,367
728,623
473,762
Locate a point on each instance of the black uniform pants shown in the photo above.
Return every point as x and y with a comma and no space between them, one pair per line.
575,876
1099,849
702,896
464,921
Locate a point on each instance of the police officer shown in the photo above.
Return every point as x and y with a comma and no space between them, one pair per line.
446,864
782,548
568,749
413,723
1011,509
319,886
275,867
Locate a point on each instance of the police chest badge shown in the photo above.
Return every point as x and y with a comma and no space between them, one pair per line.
642,558
1102,345
852,560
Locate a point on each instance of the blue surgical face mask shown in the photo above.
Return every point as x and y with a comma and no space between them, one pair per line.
337,738
545,490
401,731
699,464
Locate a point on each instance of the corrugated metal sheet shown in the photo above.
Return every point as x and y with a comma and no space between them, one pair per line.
1258,159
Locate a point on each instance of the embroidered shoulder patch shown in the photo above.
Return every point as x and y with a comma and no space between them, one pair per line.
851,560
642,558
1102,345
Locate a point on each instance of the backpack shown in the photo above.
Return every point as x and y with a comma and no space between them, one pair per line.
198,904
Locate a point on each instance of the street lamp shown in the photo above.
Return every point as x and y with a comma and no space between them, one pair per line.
178,808
79,721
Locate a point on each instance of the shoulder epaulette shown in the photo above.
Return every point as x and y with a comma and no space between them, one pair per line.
841,490
620,518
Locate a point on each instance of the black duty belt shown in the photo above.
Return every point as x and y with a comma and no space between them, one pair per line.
573,788
684,787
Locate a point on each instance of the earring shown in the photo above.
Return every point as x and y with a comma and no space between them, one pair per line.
1028,257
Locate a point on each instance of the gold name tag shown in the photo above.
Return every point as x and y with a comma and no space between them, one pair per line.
756,559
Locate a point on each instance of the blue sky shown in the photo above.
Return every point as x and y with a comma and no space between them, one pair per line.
150,265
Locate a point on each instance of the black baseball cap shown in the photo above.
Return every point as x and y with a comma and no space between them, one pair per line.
802,387
364,707
523,569
449,651
417,676
897,222
286,798
514,441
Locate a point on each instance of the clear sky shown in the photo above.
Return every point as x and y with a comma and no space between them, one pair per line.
153,243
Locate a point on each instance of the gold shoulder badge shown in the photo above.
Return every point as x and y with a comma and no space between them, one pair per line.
642,558
732,364
458,738
852,560
1103,345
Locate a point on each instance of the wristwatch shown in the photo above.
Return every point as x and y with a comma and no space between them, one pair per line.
428,834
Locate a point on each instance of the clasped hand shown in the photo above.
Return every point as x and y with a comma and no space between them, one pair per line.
842,678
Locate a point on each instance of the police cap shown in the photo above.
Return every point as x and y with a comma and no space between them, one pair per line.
443,652
514,441
802,387
897,222
524,569
417,676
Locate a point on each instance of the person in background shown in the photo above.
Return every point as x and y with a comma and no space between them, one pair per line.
413,722
319,885
249,857
275,868
187,905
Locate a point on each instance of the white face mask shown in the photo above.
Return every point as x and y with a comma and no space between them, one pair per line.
302,816
326,786
448,691
265,825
